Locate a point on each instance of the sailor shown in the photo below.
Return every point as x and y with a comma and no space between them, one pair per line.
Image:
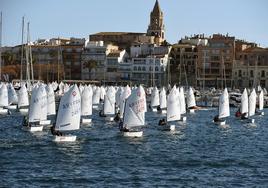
101,114
216,118
244,116
122,128
116,118
54,132
158,108
162,122
238,113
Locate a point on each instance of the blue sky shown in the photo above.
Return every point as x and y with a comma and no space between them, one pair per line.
244,19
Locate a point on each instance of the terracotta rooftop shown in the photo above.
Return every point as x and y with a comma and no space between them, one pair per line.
118,33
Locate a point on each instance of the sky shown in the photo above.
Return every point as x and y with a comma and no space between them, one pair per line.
244,19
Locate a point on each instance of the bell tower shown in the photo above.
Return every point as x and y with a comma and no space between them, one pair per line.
156,27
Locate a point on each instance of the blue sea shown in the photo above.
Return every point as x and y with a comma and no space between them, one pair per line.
198,154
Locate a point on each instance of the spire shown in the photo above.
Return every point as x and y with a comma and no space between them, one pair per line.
156,9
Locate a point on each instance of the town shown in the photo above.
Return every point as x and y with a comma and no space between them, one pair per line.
147,58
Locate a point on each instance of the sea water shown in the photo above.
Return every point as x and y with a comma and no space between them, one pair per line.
198,154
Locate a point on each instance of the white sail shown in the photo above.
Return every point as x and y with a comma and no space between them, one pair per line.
190,98
182,101
118,94
163,98
86,101
51,107
244,102
109,102
23,97
155,97
12,95
224,109
69,112
38,104
102,93
134,115
3,95
252,103
124,96
261,100
173,107
96,95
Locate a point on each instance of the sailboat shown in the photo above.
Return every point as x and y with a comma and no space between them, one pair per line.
51,106
96,97
12,97
69,112
252,105
3,99
124,96
154,99
134,114
182,104
244,104
37,109
173,110
261,102
109,104
23,100
224,109
191,105
163,101
86,105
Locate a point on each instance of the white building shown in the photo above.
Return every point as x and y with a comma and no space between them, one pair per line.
94,58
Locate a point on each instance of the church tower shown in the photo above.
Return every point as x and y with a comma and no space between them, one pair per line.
156,27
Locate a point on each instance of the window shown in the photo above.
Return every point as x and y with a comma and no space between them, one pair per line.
143,69
135,68
156,69
262,73
139,68
251,73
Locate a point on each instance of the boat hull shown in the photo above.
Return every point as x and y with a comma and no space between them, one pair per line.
36,128
133,134
24,111
163,111
86,121
12,107
45,122
3,111
66,138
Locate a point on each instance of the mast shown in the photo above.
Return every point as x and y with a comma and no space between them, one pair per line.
27,56
1,47
22,49
30,52
58,63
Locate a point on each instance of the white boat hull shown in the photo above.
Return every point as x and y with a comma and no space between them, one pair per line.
36,128
154,110
86,121
3,111
167,127
164,111
96,107
109,119
183,119
133,134
12,107
221,123
192,111
45,122
24,111
66,138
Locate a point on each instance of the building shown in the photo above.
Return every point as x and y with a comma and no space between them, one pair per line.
156,27
155,33
149,64
183,60
215,62
251,68
93,59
